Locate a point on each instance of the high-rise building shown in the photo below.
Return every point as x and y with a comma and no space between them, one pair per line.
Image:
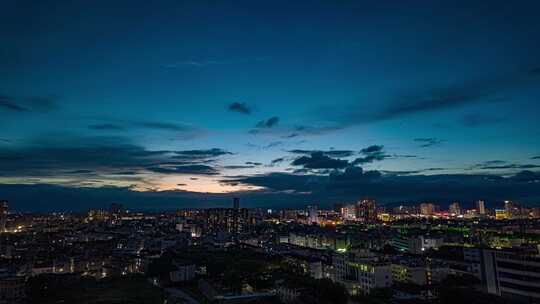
116,209
236,203
366,210
454,209
348,212
509,273
313,214
512,209
427,209
481,207
3,215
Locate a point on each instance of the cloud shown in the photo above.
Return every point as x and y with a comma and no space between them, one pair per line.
7,104
183,131
448,96
318,160
194,63
500,165
238,167
207,63
28,104
331,153
240,107
204,153
291,131
475,120
106,126
371,154
426,142
269,123
253,163
277,160
103,157
355,183
185,169
536,157
164,126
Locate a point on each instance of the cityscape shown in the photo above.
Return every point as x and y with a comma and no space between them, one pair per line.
352,253
269,152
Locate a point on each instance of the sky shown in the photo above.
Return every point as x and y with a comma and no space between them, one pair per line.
176,104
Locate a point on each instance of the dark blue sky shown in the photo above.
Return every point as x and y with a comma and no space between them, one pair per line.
279,102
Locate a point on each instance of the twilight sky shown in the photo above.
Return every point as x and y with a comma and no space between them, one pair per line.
188,103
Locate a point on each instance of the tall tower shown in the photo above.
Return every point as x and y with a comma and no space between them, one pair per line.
236,203
454,209
481,207
313,214
366,210
3,215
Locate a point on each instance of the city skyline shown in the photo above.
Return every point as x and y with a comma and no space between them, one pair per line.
172,105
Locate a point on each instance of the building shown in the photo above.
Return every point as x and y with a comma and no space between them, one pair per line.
454,209
182,272
418,271
4,208
348,212
366,210
228,220
288,214
427,209
361,274
511,274
236,203
12,289
481,207
313,214
500,214
416,244
512,209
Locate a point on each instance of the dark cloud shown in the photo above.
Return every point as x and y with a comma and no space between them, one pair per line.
536,157
371,154
476,91
475,120
273,144
239,107
277,160
185,169
165,126
500,165
106,126
7,104
238,167
527,176
318,160
269,123
426,142
208,153
331,153
80,172
288,132
355,183
28,104
307,130
253,163
183,131
103,156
